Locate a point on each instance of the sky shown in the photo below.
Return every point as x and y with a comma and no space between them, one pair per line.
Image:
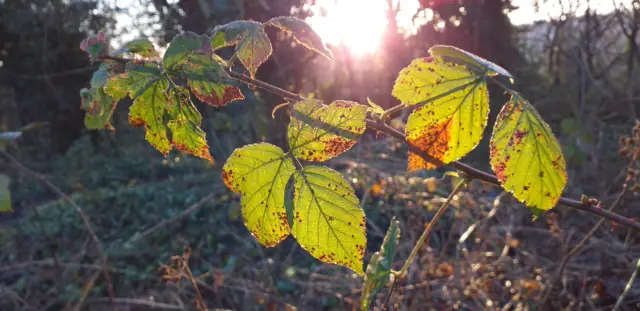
359,24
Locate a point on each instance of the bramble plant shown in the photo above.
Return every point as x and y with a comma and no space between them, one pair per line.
282,193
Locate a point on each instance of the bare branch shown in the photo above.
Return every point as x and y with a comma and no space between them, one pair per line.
79,210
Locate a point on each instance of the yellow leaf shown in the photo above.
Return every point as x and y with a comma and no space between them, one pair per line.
470,59
260,172
327,219
374,107
318,132
453,109
526,156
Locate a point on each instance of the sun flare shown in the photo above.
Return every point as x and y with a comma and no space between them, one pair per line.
356,24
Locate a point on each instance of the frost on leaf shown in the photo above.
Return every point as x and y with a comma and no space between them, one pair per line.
327,219
302,33
474,61
184,124
253,46
318,132
5,194
453,109
182,46
209,82
526,156
142,47
260,172
379,267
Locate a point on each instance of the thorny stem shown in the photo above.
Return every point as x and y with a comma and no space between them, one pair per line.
472,172
427,231
425,234
266,86
79,210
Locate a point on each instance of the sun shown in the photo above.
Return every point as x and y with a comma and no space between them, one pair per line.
359,25
356,24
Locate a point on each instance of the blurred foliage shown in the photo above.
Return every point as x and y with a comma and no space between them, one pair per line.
580,72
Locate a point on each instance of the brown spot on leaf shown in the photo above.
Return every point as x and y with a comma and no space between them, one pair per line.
220,96
499,169
434,140
518,136
136,122
342,104
202,152
337,145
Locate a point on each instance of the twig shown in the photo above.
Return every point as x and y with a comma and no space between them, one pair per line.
628,287
577,247
191,209
66,265
425,234
79,210
8,292
85,290
471,172
137,302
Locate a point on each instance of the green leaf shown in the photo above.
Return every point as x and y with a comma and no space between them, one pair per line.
135,81
453,109
328,221
470,59
148,109
259,172
379,268
302,33
118,86
253,46
99,107
148,88
186,134
97,103
143,47
526,156
8,137
181,47
318,132
5,194
209,82
374,107
95,46
100,76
